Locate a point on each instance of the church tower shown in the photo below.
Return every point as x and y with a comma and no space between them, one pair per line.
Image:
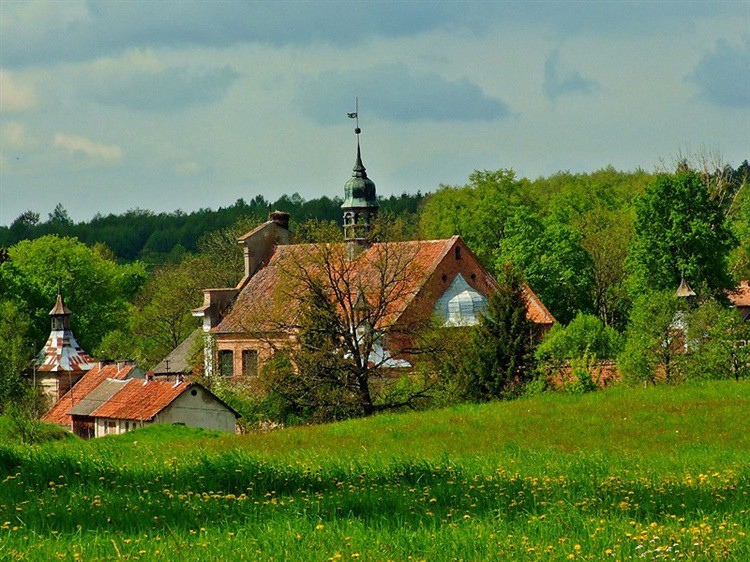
61,362
360,203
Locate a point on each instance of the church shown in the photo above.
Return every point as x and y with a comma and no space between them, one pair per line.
383,289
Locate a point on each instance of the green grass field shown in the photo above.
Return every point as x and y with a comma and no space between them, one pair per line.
659,473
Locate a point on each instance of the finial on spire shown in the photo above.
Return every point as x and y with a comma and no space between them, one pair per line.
355,116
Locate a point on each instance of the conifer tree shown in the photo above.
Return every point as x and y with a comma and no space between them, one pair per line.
501,354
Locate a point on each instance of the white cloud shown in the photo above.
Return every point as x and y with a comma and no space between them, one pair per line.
75,145
187,168
13,135
15,95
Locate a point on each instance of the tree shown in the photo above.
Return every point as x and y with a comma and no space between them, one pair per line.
716,343
16,353
606,235
585,336
477,211
348,329
500,358
97,289
550,254
654,339
59,216
679,230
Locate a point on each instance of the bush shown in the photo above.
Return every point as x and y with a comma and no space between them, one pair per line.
585,336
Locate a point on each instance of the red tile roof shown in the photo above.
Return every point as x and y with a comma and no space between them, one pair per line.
59,412
263,305
140,399
740,296
535,308
261,299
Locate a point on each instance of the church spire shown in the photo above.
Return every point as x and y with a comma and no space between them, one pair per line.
360,200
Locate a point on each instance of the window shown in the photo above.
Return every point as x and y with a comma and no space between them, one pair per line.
226,363
458,252
249,363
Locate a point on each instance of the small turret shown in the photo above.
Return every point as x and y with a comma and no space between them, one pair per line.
60,314
61,362
684,290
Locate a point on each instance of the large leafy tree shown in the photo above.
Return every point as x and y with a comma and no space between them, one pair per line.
555,264
97,289
343,312
606,235
477,211
679,229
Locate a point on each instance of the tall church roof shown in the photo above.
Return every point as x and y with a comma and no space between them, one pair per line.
61,352
359,191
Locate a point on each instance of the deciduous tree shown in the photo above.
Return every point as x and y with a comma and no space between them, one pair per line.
679,230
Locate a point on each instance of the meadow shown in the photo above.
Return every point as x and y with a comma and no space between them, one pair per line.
658,473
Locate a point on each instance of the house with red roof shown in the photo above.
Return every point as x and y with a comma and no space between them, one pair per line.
739,297
443,279
117,398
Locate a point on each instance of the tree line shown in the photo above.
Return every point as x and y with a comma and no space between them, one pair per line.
156,238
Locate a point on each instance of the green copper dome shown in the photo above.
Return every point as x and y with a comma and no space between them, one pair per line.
359,191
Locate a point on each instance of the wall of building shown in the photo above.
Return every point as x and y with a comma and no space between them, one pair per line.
54,385
237,343
106,426
198,408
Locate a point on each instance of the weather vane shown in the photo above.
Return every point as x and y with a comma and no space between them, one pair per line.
355,116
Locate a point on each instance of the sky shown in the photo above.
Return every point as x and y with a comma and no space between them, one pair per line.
111,106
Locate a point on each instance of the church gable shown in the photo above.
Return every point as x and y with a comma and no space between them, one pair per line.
460,305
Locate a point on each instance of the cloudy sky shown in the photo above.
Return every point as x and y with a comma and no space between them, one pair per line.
108,106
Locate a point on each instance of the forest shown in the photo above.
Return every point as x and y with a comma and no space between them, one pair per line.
605,251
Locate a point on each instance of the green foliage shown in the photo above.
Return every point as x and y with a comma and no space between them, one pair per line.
679,229
16,353
717,343
586,336
444,362
161,318
153,237
606,235
22,424
477,211
95,288
654,339
318,382
500,357
555,265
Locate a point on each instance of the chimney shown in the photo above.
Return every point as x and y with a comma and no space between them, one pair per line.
280,218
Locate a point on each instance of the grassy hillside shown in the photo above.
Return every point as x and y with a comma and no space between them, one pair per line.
641,473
